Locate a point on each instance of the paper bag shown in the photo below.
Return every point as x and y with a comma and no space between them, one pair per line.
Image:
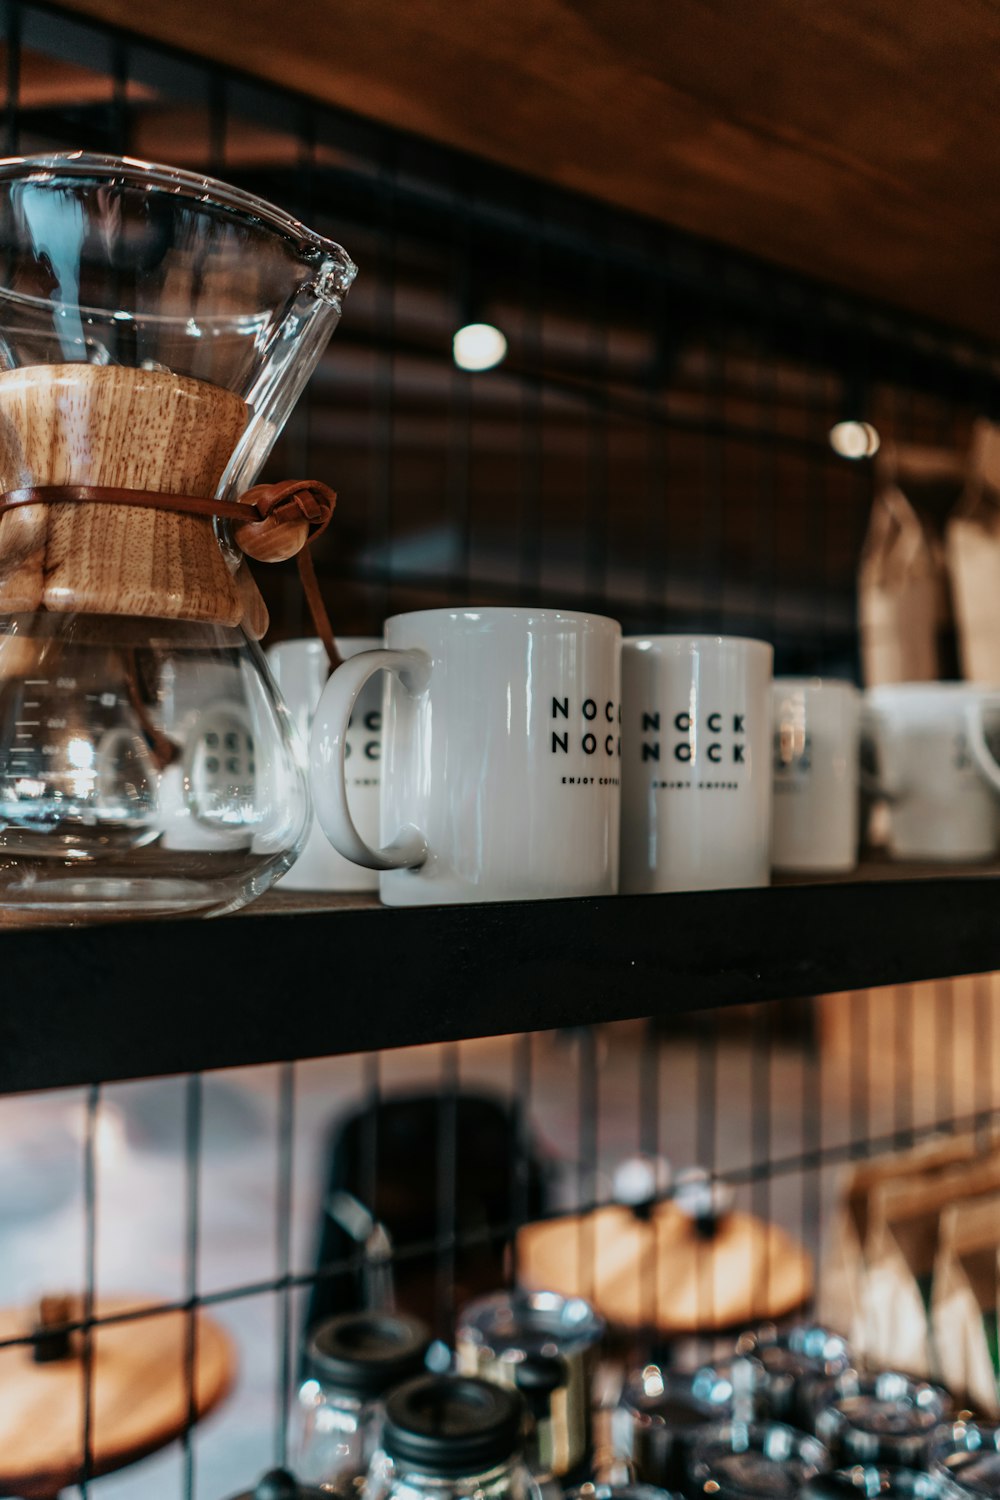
965,1304
901,1258
904,611
972,543
844,1300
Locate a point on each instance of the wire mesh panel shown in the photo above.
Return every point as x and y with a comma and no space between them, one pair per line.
210,1200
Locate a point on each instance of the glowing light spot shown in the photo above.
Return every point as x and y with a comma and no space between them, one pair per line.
478,346
855,440
80,753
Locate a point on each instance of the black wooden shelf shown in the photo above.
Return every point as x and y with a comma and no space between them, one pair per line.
83,1005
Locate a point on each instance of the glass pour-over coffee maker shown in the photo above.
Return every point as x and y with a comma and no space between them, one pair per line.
156,329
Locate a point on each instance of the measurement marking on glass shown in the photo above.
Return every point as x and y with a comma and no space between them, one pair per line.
36,682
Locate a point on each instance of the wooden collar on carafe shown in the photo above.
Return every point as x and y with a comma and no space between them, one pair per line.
270,523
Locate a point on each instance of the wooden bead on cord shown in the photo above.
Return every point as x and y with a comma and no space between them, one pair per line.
290,512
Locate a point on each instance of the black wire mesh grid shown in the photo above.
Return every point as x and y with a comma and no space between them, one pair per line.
181,1184
655,446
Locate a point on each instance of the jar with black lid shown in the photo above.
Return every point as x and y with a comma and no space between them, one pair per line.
450,1436
497,1333
882,1417
632,1491
746,1460
659,1414
351,1362
966,1459
874,1482
279,1484
794,1370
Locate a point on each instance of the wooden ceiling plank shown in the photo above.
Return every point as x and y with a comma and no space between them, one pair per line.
850,139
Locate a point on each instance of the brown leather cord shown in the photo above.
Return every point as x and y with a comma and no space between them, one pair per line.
317,609
162,749
288,503
293,500
106,494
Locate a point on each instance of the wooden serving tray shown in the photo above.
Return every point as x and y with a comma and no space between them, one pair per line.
661,1272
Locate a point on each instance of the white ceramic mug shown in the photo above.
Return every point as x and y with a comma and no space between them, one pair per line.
696,762
301,670
816,808
935,768
501,758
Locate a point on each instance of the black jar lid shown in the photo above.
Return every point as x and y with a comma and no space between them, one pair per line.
873,1482
452,1424
805,1349
967,1457
680,1398
279,1484
737,1460
631,1491
364,1354
882,1418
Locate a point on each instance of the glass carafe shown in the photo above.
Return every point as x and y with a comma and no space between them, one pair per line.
156,329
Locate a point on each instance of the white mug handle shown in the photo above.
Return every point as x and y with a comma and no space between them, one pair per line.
975,733
884,782
328,750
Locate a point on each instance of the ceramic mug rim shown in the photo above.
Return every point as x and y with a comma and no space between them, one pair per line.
815,684
502,613
675,645
891,695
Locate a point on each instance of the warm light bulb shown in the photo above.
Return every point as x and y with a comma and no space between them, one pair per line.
854,440
478,346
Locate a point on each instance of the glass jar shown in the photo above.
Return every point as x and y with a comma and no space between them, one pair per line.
620,1492
496,1333
350,1363
451,1437
883,1418
280,1484
747,1460
794,1370
871,1482
966,1459
658,1415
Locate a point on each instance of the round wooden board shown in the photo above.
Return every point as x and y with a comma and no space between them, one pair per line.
661,1273
140,1398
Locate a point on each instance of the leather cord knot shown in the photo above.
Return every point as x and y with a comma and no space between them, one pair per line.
306,498
291,513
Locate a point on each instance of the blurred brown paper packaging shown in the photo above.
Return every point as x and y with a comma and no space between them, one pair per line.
966,1296
904,608
972,543
870,1291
